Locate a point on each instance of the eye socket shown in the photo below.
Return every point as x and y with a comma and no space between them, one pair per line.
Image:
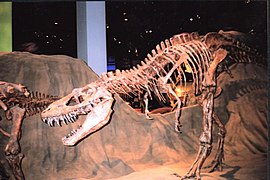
75,100
80,98
71,102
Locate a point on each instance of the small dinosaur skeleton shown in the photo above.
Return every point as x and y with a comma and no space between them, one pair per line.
18,103
160,73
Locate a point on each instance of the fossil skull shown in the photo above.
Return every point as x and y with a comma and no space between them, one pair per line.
91,100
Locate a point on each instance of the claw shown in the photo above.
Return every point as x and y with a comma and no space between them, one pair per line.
213,166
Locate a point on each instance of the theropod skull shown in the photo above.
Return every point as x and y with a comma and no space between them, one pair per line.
92,100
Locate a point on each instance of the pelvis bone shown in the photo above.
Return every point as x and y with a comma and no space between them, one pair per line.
91,100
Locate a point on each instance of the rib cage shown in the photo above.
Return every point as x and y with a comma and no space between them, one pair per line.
165,65
164,60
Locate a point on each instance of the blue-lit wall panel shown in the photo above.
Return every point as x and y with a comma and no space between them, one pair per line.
91,34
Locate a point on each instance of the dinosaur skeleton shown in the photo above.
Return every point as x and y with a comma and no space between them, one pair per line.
159,74
18,103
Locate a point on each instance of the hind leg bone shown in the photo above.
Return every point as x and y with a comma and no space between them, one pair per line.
219,157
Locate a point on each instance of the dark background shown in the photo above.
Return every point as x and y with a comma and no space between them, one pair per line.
135,28
50,25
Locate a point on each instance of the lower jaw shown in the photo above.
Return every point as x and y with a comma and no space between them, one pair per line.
72,140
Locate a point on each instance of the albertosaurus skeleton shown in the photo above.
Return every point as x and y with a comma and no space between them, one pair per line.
18,103
159,74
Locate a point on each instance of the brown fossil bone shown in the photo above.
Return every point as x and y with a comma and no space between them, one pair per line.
18,103
161,72
8,94
13,149
208,92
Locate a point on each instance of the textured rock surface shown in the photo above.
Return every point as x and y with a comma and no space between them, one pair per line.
130,143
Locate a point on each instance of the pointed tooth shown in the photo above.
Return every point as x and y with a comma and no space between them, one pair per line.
71,119
50,122
58,122
65,121
74,116
66,117
44,119
71,115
